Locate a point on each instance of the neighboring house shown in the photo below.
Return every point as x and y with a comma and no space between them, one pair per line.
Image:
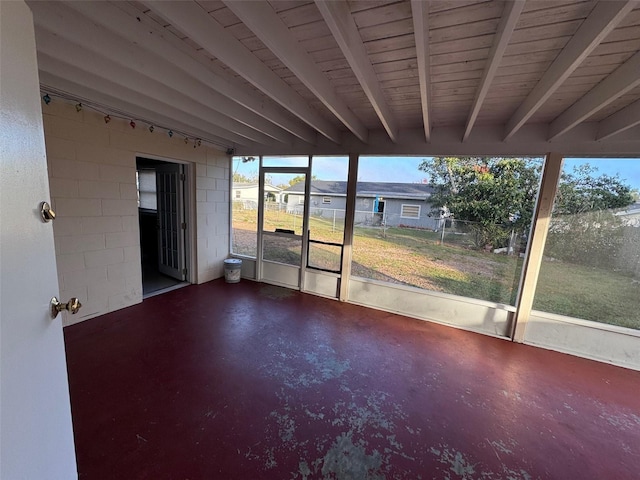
377,203
247,193
630,216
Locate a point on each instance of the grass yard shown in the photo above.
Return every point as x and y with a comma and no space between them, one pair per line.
416,258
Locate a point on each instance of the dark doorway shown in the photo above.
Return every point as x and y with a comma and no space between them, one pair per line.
162,225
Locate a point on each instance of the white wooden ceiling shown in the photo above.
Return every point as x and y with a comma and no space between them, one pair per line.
370,76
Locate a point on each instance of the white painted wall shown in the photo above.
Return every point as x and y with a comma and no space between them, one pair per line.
92,168
36,437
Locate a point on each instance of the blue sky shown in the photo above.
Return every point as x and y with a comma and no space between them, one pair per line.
405,169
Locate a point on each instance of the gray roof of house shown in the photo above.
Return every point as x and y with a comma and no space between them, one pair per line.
366,189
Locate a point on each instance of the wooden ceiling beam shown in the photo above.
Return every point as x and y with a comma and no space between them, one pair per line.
338,18
131,67
623,79
209,34
76,81
420,17
603,19
139,29
620,121
501,39
264,22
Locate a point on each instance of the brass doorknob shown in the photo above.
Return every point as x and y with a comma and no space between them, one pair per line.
46,212
73,305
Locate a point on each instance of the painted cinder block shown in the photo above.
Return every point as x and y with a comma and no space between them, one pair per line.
214,171
80,243
60,147
70,262
98,189
104,257
78,207
120,271
122,239
101,224
205,183
119,207
64,187
116,173
88,152
72,169
92,177
128,191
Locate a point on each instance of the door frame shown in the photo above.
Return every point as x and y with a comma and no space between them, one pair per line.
189,200
306,171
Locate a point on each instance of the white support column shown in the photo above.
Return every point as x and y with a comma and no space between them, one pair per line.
537,240
349,221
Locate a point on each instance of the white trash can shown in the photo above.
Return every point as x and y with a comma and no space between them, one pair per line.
232,267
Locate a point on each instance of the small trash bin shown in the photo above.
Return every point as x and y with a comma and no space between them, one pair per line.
232,268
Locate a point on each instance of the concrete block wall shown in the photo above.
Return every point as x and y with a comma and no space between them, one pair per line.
92,177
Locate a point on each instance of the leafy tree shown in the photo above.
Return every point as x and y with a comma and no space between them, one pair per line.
581,191
242,178
584,228
300,178
496,194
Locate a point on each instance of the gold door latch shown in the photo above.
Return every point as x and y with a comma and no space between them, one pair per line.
46,212
73,305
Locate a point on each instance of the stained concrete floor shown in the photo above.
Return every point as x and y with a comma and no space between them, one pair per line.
249,381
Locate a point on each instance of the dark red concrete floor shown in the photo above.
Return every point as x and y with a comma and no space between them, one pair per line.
249,381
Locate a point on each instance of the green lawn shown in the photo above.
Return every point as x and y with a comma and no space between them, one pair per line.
416,258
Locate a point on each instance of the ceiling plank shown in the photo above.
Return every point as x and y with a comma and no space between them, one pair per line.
602,20
507,24
339,20
620,121
623,79
420,14
142,107
138,28
141,69
209,34
265,23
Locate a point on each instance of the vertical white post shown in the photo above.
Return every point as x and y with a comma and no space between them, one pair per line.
537,240
349,220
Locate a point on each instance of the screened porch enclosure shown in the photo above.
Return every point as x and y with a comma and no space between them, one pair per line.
494,277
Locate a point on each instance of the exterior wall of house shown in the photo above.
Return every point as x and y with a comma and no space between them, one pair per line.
92,176
364,210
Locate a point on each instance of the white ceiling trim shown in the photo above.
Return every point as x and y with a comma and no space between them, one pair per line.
623,79
420,17
345,31
620,121
262,20
602,20
507,24
204,30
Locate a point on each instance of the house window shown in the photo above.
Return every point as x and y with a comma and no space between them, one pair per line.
147,189
238,195
410,211
326,199
300,199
